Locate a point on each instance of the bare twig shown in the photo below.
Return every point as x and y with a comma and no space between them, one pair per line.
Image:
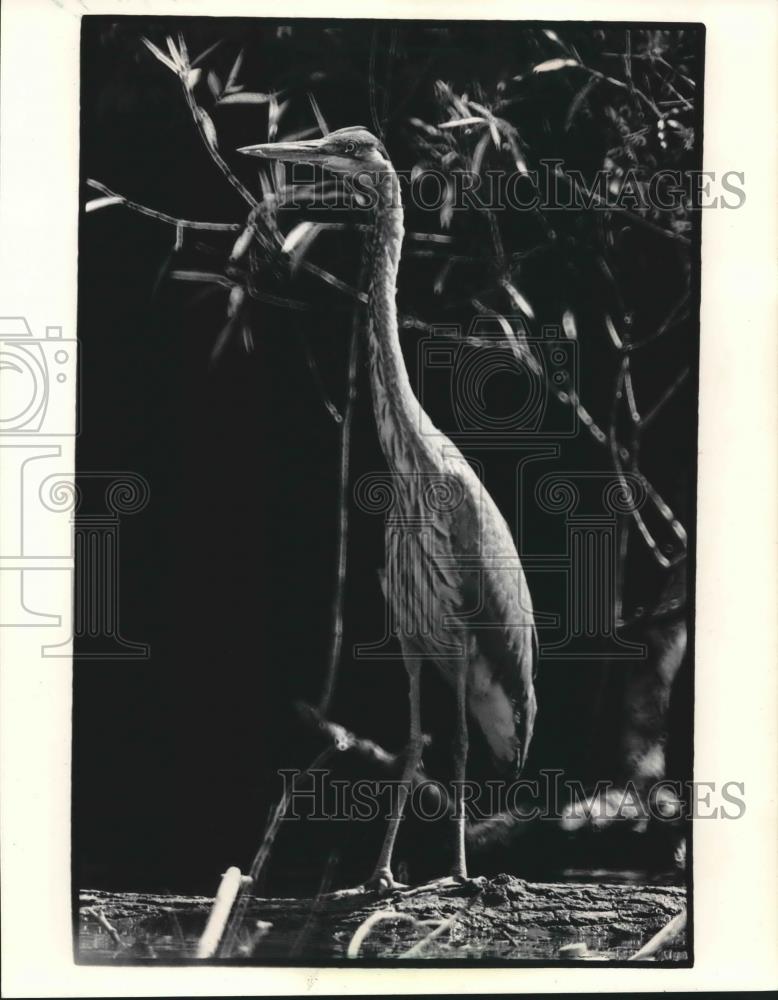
343,509
363,931
662,938
235,921
666,396
171,220
201,120
313,368
605,205
439,931
97,914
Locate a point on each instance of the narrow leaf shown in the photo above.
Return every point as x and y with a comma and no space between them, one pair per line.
518,299
96,203
463,121
553,64
205,52
175,55
207,277
214,85
232,78
235,301
246,97
272,118
242,243
568,325
321,121
612,332
299,234
478,153
209,129
222,340
159,54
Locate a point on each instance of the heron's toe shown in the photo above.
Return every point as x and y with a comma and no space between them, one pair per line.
383,882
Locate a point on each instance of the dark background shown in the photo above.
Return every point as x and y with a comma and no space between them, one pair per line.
228,573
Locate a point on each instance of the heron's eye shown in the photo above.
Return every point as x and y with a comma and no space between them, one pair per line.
350,147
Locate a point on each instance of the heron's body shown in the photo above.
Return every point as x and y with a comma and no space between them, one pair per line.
456,587
467,559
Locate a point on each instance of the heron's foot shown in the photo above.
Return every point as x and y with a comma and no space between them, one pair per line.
470,885
383,882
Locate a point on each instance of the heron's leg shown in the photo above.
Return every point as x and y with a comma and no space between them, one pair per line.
460,767
382,875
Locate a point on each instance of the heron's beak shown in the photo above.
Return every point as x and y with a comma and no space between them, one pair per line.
304,151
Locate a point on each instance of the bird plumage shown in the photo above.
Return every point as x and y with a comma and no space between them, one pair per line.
467,558
454,580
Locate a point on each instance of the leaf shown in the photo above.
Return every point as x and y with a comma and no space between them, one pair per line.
301,233
242,243
472,120
214,85
568,325
612,332
478,153
209,129
222,339
160,55
175,55
235,70
303,133
518,159
235,301
550,65
431,130
206,277
447,211
298,242
97,203
321,121
441,276
577,102
273,114
247,97
205,52
518,299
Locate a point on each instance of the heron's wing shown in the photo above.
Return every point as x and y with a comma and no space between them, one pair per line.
424,585
504,655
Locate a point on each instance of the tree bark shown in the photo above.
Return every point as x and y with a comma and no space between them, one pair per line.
504,918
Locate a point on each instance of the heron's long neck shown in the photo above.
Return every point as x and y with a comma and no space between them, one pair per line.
397,411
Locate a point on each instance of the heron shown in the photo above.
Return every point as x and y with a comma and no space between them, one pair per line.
460,595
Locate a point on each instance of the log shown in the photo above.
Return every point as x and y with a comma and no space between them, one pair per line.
498,919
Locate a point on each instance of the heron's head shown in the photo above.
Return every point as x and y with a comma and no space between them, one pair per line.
347,152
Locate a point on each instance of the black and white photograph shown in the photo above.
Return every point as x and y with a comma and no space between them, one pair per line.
396,325
385,551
